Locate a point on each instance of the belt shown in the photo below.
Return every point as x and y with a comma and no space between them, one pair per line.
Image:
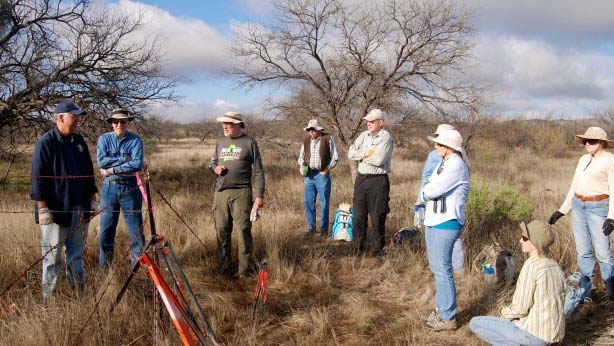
367,176
592,198
120,182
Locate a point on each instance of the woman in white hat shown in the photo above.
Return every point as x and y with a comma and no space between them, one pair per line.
593,210
445,195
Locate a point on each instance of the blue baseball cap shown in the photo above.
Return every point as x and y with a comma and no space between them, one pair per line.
67,106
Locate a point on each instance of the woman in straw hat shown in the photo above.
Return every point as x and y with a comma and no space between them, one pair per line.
445,195
593,211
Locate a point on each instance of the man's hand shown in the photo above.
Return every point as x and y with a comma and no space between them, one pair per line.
258,203
555,217
219,170
44,216
370,153
608,226
106,172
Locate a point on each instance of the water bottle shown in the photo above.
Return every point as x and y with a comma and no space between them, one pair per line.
419,215
489,273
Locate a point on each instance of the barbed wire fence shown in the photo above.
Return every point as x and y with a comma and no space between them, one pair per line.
22,274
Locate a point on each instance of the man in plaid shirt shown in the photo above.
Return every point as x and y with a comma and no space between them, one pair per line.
318,156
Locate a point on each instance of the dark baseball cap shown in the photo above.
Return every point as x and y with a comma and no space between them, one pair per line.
67,106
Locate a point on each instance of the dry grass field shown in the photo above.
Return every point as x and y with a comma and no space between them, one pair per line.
319,293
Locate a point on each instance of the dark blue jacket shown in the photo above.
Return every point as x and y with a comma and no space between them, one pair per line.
55,158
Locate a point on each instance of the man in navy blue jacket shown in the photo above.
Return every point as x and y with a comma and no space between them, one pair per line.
64,189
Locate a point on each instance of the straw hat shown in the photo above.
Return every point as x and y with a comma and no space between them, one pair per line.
596,133
539,234
443,127
314,124
119,114
449,138
231,117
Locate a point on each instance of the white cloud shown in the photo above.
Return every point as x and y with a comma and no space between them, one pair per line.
536,76
190,45
225,105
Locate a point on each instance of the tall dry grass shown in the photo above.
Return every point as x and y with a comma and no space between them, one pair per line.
319,293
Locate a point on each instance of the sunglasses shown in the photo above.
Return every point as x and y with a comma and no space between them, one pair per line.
590,141
524,238
115,122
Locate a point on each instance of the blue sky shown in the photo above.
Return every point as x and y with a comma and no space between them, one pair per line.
541,57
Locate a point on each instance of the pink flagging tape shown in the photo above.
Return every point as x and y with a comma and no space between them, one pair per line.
142,188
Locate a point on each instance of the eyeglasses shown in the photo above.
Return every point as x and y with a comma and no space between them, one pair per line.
524,238
115,122
590,141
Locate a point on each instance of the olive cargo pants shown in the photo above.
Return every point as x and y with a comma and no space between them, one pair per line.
231,209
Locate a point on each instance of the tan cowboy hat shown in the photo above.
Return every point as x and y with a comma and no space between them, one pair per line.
231,117
119,114
313,124
449,138
596,133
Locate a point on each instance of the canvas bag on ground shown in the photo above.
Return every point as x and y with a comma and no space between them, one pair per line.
579,288
496,264
342,224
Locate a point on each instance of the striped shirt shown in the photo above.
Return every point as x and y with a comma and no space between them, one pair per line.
315,162
537,305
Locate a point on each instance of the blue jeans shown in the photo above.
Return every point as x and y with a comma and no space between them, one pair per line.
499,331
439,245
128,199
75,245
317,184
458,257
587,219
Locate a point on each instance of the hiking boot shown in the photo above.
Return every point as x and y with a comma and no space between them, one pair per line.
323,234
435,323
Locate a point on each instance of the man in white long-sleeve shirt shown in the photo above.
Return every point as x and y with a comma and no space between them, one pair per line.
373,151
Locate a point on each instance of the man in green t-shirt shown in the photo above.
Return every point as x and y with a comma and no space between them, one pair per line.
235,160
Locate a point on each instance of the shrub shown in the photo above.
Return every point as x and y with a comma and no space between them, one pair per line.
504,207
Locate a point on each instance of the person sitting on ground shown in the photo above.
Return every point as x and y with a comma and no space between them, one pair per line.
592,208
536,315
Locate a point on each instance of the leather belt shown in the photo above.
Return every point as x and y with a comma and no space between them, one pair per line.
592,198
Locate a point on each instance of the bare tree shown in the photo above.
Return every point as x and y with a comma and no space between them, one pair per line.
52,49
340,60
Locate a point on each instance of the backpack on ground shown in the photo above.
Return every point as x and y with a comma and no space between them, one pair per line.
496,264
342,224
579,288
406,235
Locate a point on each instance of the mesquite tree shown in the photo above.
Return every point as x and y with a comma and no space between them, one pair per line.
53,49
338,59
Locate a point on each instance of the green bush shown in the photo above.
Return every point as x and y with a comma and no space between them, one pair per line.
505,206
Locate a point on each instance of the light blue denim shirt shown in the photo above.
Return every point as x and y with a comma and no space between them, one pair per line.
429,167
124,155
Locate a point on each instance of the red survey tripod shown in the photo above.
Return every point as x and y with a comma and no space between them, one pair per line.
179,300
261,288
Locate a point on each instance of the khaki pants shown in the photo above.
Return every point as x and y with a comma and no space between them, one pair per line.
231,209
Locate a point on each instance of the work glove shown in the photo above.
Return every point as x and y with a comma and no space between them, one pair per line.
555,217
608,226
106,172
44,216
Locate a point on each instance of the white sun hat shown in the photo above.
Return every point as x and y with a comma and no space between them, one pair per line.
449,138
443,127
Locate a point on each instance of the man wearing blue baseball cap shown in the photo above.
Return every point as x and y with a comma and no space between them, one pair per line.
64,189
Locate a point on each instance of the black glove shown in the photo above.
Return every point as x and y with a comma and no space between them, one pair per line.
608,226
555,217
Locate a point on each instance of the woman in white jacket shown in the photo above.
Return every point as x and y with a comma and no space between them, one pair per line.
445,195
